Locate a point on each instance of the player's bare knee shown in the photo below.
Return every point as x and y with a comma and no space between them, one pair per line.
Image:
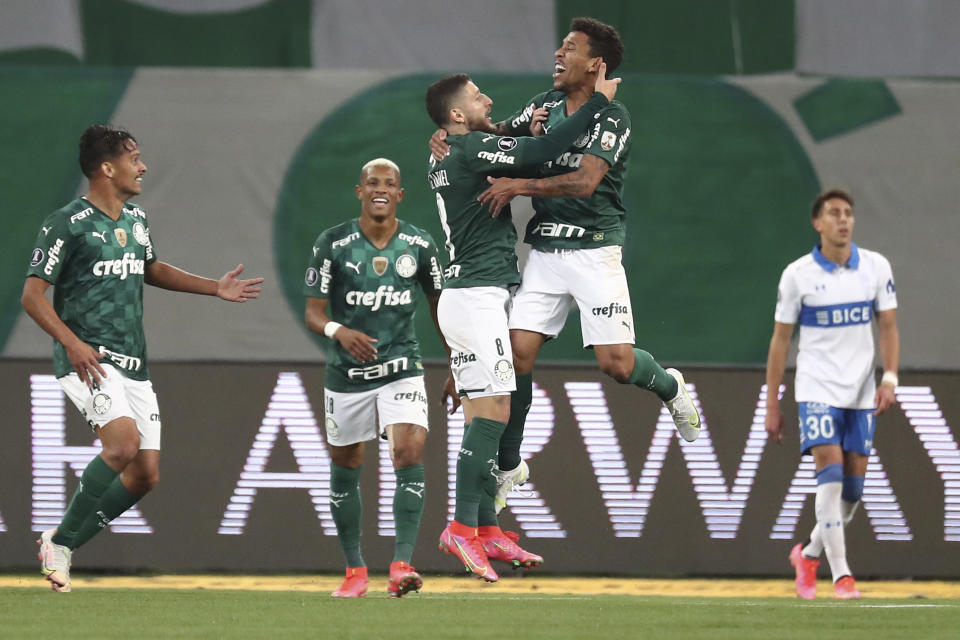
119,454
406,454
617,369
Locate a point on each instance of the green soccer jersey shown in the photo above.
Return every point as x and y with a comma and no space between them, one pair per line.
373,291
482,249
580,223
96,266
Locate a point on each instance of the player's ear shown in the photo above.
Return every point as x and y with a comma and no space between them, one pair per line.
400,195
456,116
107,168
356,190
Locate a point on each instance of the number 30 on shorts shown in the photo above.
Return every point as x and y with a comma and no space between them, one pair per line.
816,427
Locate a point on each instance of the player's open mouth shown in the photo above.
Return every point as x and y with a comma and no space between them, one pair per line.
380,201
558,69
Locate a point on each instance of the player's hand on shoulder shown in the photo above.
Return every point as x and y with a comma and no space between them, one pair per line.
232,289
536,121
439,148
357,344
607,87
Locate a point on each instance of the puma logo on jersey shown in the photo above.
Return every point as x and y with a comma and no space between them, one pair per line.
616,122
488,138
315,249
45,230
102,235
546,128
355,267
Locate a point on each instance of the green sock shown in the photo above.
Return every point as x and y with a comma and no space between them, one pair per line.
94,481
478,456
114,501
347,511
408,509
487,511
650,375
509,453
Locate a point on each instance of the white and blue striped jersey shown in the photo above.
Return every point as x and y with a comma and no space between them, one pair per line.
834,306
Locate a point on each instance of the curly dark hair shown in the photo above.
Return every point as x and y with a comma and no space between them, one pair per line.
101,142
605,42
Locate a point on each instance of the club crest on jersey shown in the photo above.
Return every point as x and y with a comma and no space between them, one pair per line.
121,235
406,266
380,265
140,234
582,141
608,140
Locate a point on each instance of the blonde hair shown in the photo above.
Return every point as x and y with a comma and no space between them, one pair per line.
380,162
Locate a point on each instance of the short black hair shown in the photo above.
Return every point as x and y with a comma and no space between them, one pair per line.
605,42
829,195
99,143
440,95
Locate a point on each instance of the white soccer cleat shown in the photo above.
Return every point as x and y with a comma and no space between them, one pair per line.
54,562
685,414
507,480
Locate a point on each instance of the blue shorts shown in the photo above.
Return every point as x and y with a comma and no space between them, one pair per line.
820,423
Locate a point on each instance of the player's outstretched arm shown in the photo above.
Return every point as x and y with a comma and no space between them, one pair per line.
356,343
890,354
776,365
228,287
449,386
83,357
576,184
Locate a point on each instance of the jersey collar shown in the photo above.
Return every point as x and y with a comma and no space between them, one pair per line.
830,267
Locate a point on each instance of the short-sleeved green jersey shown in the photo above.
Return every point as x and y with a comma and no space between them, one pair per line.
580,223
482,249
373,291
97,267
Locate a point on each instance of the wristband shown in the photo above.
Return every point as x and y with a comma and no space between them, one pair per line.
331,328
889,377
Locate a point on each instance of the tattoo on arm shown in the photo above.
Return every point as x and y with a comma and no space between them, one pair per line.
576,184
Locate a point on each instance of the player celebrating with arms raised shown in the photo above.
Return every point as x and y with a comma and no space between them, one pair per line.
97,252
834,292
576,234
361,288
472,309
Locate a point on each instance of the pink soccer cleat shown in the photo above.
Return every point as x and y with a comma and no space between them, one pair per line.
54,562
354,584
846,589
403,579
469,550
806,573
502,545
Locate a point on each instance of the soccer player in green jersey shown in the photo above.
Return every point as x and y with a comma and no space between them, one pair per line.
576,234
361,286
97,253
472,310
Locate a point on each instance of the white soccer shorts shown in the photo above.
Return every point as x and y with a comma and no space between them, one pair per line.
593,279
117,397
474,324
352,417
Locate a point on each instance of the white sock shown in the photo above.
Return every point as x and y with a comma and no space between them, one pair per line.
830,523
815,547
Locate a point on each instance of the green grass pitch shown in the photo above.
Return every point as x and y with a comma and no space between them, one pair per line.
144,613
